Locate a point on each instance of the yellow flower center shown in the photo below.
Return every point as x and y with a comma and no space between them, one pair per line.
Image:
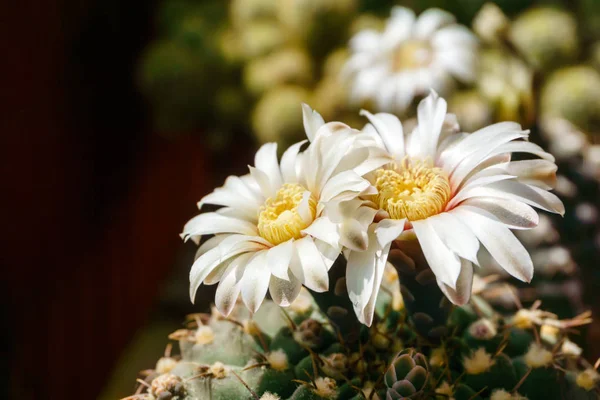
411,55
414,190
279,219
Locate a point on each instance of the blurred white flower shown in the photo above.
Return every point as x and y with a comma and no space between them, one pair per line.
271,233
408,58
453,191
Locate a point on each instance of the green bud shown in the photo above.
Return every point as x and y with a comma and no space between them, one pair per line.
291,65
277,117
573,93
472,110
547,37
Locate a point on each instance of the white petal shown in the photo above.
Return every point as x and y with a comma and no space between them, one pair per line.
284,292
229,286
360,275
430,21
431,113
333,149
443,262
460,63
313,269
232,246
328,253
454,36
481,141
312,121
527,194
467,191
390,129
512,213
479,148
209,244
353,235
388,230
504,247
289,161
541,173
213,223
380,263
365,40
266,161
325,230
464,285
262,179
279,258
347,181
304,209
524,147
255,281
455,235
399,26
402,92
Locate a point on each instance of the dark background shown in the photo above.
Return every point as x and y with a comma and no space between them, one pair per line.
92,201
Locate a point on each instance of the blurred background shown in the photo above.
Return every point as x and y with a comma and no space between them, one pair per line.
119,116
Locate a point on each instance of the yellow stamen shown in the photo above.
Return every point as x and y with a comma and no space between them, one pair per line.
414,190
411,55
279,219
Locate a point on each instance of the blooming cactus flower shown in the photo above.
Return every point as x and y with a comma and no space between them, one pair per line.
265,234
408,58
453,191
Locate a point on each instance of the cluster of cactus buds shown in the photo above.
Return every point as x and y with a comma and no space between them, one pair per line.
301,353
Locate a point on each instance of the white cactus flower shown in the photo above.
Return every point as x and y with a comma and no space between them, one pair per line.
408,58
453,191
272,233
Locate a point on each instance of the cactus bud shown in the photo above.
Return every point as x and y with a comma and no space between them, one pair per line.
588,379
204,335
309,333
483,329
490,23
538,356
278,360
479,362
167,387
547,37
335,365
325,387
277,117
165,365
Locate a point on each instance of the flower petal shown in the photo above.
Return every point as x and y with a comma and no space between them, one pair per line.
284,292
266,161
388,230
289,161
278,259
312,271
431,113
214,223
443,262
229,285
325,230
360,275
255,281
231,246
262,179
390,130
501,243
455,235
512,213
344,183
464,285
399,26
312,121
430,21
